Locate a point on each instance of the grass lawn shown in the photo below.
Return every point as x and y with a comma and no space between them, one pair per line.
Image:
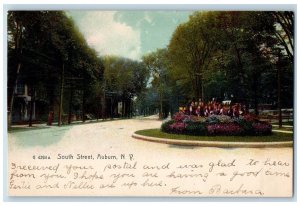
22,129
275,137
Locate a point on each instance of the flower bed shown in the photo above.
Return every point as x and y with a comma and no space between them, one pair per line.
216,125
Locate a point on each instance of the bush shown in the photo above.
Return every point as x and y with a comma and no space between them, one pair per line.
212,119
165,127
224,118
177,127
224,129
262,128
180,117
245,125
196,128
216,125
198,119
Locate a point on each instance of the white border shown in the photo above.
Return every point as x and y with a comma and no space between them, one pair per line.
145,4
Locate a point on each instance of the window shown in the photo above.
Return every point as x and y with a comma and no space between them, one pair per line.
20,90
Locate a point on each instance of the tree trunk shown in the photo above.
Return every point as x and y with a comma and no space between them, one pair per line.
51,107
202,90
240,95
18,52
123,108
255,99
83,106
70,106
161,105
197,87
279,93
103,101
103,106
31,106
98,108
128,108
60,111
111,108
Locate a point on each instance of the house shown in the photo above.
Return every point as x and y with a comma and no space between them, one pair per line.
22,104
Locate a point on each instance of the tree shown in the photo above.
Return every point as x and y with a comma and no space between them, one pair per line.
157,64
284,23
124,80
191,47
239,61
54,56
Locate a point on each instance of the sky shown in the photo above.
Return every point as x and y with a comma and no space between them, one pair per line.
129,34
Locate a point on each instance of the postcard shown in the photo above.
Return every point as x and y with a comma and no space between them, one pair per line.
150,103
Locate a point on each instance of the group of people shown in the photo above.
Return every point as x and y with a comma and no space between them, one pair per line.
213,107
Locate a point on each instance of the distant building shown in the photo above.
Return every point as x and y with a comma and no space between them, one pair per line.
21,107
22,103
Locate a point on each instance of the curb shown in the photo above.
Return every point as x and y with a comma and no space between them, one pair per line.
282,131
214,143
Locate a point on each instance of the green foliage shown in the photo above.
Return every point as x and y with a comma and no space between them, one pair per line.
219,54
157,64
125,79
216,125
196,128
191,47
246,125
43,42
165,126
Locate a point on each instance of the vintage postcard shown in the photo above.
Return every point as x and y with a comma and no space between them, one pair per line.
150,103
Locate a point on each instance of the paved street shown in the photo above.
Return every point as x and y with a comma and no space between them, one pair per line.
114,138
107,136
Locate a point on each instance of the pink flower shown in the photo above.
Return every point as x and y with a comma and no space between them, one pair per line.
224,129
262,128
180,117
177,126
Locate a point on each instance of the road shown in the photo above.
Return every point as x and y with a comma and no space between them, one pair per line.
114,138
